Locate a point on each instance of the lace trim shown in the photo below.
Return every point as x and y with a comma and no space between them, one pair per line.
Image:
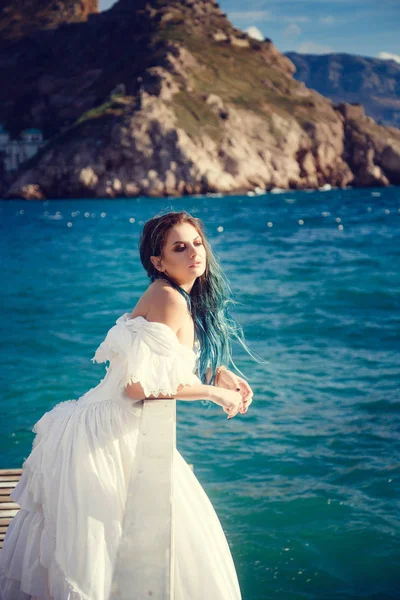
73,594
103,353
170,391
55,573
67,585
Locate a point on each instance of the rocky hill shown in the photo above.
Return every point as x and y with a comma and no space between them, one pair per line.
23,17
163,97
373,82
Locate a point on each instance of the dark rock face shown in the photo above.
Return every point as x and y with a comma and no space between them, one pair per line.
347,78
23,17
168,98
56,75
373,156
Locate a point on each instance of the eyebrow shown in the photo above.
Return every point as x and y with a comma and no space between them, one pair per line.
179,242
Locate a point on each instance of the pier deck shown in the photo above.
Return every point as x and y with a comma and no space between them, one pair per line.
8,480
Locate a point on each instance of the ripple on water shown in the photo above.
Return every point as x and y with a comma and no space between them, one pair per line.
306,484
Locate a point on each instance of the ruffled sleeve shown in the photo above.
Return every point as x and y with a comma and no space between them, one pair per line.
148,353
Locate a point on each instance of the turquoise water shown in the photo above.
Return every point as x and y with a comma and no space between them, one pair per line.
307,483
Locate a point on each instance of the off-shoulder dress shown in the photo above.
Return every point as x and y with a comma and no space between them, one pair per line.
62,543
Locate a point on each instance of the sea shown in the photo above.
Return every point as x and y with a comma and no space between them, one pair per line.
306,484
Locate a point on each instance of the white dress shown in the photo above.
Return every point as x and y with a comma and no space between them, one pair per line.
61,544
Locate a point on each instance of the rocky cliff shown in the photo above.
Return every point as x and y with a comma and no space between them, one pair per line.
373,82
24,17
168,98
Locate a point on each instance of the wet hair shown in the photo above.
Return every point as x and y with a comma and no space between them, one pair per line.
209,299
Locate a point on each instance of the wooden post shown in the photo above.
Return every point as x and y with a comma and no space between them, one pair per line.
144,566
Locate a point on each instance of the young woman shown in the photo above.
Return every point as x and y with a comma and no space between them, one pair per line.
62,543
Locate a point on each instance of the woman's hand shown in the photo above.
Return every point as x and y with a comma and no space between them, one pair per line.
228,380
230,400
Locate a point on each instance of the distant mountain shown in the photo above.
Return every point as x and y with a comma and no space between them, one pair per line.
373,82
167,97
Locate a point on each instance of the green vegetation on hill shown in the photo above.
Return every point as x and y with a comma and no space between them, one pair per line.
238,75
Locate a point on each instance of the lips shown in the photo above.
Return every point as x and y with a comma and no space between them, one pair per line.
195,264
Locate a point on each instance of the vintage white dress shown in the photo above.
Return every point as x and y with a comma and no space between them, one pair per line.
62,543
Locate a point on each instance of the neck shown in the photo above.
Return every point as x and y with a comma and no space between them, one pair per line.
186,287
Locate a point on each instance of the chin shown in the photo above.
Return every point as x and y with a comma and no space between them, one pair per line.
197,271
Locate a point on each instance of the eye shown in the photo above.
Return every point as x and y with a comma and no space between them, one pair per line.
180,248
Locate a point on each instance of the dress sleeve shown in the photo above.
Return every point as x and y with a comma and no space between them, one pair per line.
149,353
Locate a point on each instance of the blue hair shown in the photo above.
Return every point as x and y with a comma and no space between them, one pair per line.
209,300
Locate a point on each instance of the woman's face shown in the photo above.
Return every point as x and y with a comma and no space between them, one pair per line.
184,256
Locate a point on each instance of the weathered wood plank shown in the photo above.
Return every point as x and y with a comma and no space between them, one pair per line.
8,513
10,471
5,505
144,565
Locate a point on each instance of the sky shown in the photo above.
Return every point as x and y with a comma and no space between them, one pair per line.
363,27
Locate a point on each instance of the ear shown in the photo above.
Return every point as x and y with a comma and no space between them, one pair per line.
157,263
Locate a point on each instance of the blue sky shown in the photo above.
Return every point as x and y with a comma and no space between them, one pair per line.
364,27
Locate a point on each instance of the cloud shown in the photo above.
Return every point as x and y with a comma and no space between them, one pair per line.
298,19
254,33
292,30
329,20
313,48
389,56
250,15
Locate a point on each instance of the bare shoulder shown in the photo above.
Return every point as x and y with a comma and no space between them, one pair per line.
167,306
163,304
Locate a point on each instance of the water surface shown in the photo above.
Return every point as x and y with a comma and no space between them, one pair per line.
307,483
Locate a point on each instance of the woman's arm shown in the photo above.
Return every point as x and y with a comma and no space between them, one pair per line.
186,392
229,400
170,308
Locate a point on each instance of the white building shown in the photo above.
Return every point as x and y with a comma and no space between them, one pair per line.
15,152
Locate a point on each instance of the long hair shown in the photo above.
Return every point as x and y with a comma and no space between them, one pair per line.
209,299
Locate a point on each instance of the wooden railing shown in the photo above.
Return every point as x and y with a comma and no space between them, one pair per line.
144,566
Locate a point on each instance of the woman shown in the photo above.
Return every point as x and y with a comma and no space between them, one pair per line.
62,543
